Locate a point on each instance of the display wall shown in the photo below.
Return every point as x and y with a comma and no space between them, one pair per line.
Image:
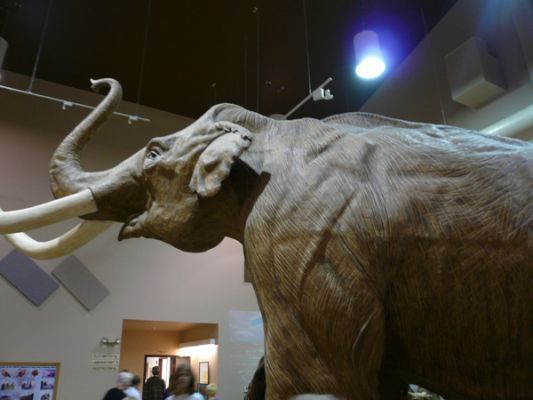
146,279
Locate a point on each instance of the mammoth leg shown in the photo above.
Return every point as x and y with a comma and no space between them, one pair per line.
300,359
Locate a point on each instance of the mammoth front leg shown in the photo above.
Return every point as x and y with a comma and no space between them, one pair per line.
293,366
341,358
321,305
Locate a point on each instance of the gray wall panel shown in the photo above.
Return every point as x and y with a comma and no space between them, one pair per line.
80,282
27,277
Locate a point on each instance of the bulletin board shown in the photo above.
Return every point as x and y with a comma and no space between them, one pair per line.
28,380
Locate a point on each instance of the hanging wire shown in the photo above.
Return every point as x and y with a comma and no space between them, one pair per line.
245,70
65,103
143,54
307,46
438,89
365,6
214,87
41,42
8,9
255,10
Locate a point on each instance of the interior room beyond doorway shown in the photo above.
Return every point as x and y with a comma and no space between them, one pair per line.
167,344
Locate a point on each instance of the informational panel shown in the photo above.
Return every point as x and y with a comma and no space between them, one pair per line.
28,381
105,361
246,345
246,327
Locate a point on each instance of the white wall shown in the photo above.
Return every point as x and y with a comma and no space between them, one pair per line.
419,90
147,279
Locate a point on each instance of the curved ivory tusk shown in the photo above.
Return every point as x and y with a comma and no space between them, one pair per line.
60,246
74,205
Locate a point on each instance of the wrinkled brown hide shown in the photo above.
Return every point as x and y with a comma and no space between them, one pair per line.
382,252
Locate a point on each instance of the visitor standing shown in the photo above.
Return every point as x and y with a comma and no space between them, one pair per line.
154,387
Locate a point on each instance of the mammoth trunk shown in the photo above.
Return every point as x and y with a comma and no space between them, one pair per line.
66,174
76,190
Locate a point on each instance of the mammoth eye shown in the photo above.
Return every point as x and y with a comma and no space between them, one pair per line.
152,154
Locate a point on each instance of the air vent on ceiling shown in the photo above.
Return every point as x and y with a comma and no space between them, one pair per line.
475,76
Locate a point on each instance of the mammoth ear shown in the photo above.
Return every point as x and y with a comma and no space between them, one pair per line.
214,164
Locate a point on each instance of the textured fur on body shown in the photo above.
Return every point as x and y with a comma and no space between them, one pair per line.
393,250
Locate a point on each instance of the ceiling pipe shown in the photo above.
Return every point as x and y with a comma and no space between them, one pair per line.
513,125
67,104
318,94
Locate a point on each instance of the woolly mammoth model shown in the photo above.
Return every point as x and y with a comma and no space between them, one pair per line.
382,252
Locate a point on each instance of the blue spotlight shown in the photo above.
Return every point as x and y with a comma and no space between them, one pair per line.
369,61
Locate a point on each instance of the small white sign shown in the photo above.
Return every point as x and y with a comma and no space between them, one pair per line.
105,361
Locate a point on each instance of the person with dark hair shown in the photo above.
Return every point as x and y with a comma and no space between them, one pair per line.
182,385
154,387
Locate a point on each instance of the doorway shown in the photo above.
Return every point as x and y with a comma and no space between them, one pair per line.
168,344
166,364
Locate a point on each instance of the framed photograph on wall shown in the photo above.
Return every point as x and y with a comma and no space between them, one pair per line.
28,380
203,372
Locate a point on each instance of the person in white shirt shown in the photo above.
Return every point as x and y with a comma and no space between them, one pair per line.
132,392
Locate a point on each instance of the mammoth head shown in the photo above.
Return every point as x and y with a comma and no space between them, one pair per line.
172,190
182,175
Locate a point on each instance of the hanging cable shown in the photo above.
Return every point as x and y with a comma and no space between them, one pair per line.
245,70
430,48
67,103
41,42
214,87
255,10
143,54
8,10
307,47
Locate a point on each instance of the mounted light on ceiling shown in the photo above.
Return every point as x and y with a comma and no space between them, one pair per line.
369,60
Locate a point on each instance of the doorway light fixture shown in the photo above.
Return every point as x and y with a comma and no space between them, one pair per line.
198,348
368,56
202,342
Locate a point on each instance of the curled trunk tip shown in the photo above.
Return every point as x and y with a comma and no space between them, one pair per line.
66,174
